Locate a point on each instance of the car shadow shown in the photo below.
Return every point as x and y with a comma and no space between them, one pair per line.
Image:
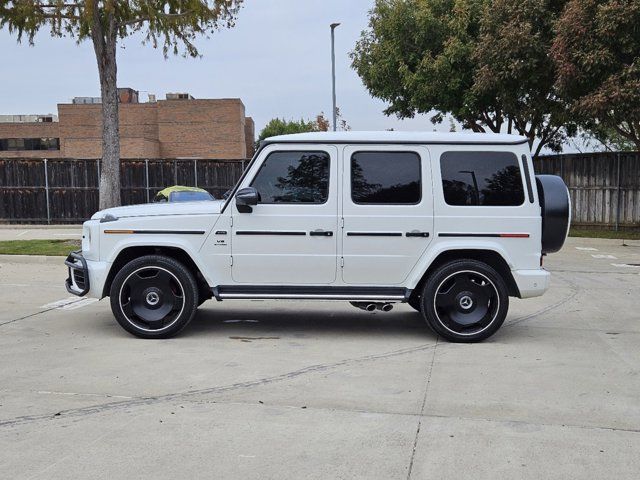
277,319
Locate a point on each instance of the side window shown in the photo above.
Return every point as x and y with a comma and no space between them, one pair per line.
386,178
481,178
293,177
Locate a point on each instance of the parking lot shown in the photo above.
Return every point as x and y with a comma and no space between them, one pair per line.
266,389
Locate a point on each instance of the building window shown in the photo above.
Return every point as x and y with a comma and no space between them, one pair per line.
293,177
28,144
481,178
391,178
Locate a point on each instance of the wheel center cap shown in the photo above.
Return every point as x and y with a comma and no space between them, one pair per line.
152,298
466,302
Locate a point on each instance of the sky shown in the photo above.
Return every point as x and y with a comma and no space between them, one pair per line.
277,59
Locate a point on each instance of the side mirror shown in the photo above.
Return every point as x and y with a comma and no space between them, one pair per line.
245,198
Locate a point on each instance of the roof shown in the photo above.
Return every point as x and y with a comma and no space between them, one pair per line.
399,137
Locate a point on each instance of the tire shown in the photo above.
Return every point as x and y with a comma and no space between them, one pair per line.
465,301
154,297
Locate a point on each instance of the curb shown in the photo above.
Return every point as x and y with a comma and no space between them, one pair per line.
33,259
26,226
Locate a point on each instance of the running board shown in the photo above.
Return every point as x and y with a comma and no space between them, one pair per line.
371,294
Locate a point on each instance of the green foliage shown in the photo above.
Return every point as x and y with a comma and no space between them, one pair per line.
417,56
514,68
171,24
597,53
485,62
277,126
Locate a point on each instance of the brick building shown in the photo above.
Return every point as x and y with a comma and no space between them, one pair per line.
178,127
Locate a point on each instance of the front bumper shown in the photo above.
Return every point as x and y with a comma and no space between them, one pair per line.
77,282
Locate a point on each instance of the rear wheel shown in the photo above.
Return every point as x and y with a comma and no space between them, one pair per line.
154,297
465,301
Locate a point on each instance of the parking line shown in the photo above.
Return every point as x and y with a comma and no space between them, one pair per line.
611,257
82,303
589,249
20,234
61,303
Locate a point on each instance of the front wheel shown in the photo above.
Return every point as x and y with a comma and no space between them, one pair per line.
465,301
154,297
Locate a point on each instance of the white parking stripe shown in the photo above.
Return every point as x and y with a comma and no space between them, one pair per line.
67,234
589,249
82,303
20,234
625,265
61,303
611,257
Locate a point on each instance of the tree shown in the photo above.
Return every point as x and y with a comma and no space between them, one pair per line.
597,53
514,69
278,126
484,62
174,24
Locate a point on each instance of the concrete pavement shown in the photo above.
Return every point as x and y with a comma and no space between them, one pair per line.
40,232
267,389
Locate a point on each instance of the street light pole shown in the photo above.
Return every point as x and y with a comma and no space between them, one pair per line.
333,73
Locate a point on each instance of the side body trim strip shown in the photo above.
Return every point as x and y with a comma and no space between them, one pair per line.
268,232
156,232
374,234
486,235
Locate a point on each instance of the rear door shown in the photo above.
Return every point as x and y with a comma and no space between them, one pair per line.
387,212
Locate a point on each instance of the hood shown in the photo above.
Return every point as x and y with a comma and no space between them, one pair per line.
159,209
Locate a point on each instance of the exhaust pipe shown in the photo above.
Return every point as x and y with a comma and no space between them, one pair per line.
385,307
371,306
366,306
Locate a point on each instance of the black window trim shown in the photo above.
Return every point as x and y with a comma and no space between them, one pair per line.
377,204
527,176
524,200
316,150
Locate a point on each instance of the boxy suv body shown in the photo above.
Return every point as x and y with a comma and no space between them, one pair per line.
453,224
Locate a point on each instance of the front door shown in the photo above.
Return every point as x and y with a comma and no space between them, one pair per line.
387,211
290,236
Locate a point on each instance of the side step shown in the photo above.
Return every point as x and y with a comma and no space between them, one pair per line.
371,294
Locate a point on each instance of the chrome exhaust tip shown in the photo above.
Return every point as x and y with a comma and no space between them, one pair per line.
366,306
385,307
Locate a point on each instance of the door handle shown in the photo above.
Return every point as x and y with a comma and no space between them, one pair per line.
321,233
415,233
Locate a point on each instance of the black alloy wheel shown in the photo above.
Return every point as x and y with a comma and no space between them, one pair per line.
154,296
465,301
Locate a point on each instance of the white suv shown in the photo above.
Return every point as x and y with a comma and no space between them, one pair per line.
452,224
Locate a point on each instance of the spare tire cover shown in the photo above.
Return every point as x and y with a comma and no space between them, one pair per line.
556,211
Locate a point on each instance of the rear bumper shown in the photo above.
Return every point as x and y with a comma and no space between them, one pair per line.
77,281
531,283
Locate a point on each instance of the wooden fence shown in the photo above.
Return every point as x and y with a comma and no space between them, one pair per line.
66,190
604,187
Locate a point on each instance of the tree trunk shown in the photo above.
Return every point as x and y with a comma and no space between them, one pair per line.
104,44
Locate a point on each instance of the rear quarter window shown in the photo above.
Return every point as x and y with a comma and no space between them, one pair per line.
487,179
